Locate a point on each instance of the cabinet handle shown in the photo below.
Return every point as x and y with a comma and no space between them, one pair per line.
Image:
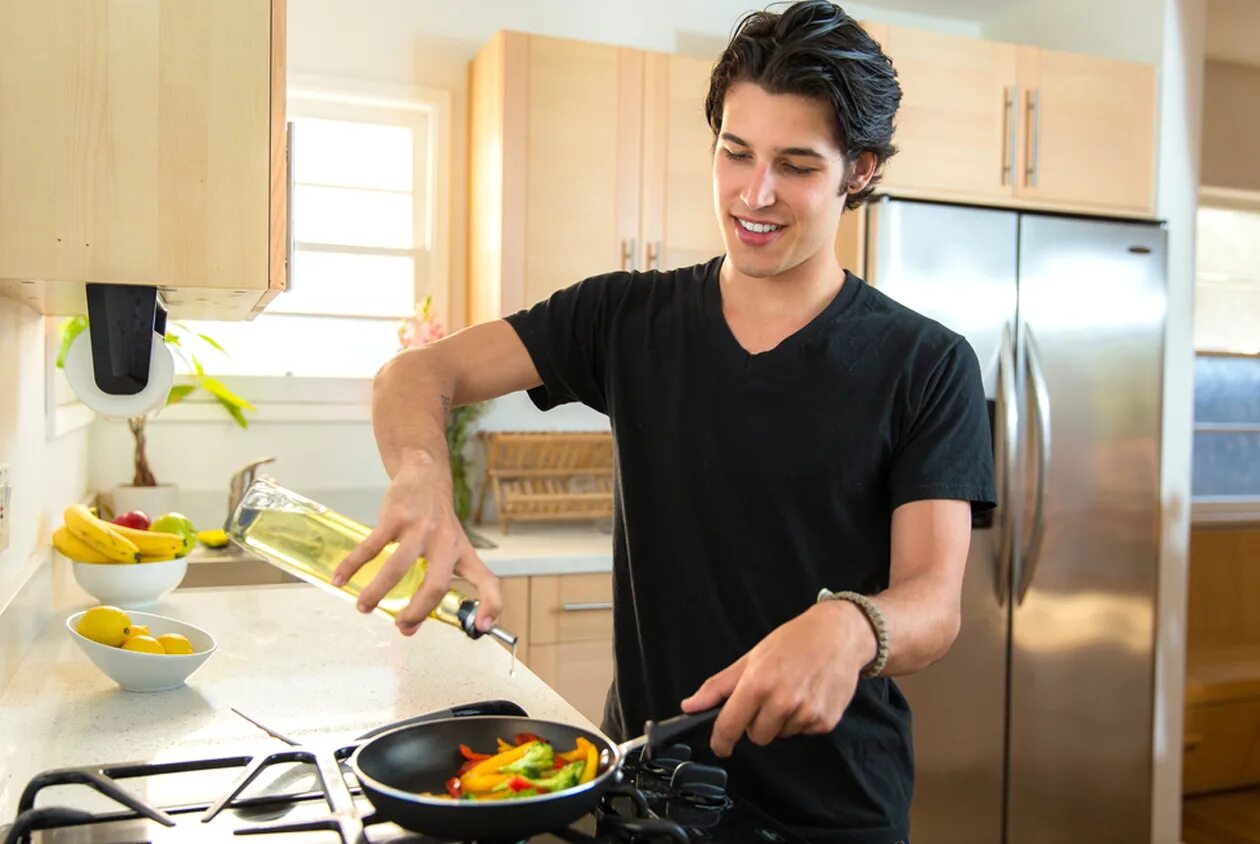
587,606
1008,135
1034,135
654,255
288,207
627,254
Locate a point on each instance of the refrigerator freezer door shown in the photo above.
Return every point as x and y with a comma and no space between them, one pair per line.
957,265
1091,305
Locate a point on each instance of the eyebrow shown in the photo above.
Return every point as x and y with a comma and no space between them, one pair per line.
802,151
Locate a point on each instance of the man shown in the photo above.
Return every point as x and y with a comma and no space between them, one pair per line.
785,436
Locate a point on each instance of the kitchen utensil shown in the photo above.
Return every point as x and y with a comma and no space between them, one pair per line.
398,768
309,540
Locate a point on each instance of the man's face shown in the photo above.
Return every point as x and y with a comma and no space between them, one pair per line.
777,173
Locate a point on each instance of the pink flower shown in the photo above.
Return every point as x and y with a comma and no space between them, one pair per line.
420,329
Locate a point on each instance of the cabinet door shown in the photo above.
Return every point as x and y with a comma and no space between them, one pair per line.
1088,130
678,225
138,139
581,191
956,124
580,672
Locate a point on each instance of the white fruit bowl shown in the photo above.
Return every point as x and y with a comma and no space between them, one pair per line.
141,672
130,585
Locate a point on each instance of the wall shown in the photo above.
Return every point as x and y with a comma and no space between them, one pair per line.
45,475
1131,30
1231,126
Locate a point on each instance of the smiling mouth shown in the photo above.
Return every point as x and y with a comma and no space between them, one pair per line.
757,228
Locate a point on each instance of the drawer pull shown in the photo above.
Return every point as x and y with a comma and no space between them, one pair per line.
587,606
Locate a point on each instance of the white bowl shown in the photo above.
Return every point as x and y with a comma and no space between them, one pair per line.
141,672
130,585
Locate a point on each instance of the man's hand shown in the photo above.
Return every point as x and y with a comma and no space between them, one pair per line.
419,514
797,680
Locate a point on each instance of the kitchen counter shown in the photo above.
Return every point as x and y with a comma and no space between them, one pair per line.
529,549
303,663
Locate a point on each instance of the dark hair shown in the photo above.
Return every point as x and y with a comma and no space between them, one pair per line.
814,49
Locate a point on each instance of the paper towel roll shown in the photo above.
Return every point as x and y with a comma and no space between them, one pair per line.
78,368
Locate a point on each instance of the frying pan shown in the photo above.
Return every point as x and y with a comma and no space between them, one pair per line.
397,767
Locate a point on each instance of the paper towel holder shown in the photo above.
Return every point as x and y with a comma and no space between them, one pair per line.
125,320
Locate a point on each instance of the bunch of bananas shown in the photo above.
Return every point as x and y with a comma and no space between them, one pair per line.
88,539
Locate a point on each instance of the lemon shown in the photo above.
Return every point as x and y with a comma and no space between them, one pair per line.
174,643
105,624
144,644
139,630
212,538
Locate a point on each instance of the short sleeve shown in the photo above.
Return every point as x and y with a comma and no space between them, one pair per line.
567,337
946,449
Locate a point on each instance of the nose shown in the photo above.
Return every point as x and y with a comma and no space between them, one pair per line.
760,190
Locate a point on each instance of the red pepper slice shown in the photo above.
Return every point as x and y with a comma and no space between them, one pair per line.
519,783
525,738
467,766
470,754
560,763
454,787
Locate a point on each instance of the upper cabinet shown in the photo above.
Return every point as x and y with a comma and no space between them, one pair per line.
993,122
144,143
584,159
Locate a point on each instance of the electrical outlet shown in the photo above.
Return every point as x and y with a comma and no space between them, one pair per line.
5,516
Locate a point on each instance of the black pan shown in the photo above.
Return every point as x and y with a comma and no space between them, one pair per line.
397,767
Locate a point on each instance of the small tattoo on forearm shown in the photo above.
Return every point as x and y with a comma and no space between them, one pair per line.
446,407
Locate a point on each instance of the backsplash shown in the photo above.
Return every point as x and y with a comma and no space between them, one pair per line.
1227,427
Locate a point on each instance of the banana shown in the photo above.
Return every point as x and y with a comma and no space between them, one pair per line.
153,543
156,558
76,549
100,535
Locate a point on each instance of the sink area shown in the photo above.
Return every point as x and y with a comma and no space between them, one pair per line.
230,566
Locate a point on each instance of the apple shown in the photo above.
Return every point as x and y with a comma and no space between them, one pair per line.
135,519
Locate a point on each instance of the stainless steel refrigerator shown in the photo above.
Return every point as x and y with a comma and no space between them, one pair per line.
1036,727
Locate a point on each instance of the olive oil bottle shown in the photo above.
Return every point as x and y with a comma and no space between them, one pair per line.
308,540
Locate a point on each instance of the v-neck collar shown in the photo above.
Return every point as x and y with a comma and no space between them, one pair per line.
788,348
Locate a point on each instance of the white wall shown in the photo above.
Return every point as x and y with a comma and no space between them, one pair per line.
1131,30
46,475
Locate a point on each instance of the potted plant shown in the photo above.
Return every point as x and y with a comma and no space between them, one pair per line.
421,329
144,492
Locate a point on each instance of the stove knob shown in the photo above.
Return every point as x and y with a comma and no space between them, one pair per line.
705,784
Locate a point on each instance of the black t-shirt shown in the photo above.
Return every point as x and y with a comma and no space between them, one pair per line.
745,483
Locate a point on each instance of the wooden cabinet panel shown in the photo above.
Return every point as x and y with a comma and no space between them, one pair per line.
956,125
1088,128
143,143
1221,746
570,608
581,672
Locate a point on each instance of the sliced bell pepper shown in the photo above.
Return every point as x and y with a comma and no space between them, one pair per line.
592,761
524,738
468,753
504,747
484,782
494,763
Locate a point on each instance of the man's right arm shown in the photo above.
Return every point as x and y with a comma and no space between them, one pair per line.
411,398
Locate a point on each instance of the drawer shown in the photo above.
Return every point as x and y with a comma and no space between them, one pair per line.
580,672
570,608
1220,746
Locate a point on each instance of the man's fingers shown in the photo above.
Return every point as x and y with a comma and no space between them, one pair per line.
393,570
360,554
490,597
437,580
738,712
717,688
772,717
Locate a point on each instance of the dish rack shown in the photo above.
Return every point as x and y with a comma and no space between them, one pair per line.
540,476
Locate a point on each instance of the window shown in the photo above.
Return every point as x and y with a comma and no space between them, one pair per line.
1227,281
368,244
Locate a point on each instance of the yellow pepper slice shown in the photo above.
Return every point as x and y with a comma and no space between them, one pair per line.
592,761
494,763
504,747
483,782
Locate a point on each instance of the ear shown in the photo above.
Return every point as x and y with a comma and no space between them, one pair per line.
863,171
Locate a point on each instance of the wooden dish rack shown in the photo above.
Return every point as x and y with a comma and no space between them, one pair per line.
547,475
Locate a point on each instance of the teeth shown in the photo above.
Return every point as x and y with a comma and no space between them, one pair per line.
759,228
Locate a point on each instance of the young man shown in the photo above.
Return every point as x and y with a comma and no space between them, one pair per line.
797,455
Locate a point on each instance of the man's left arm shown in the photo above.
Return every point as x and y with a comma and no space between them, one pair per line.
801,677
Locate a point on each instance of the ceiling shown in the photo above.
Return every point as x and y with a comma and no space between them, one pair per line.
1233,31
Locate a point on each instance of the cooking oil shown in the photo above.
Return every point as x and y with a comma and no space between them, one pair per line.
309,541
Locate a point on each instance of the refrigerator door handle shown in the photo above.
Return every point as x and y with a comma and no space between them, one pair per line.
1041,421
1006,421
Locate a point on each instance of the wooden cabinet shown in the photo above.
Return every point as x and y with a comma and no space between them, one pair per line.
570,638
584,159
143,143
1015,125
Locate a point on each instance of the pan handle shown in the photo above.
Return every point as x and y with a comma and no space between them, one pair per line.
658,734
481,707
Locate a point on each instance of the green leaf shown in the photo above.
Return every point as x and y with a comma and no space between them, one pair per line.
179,392
173,339
71,329
220,391
213,343
201,370
234,410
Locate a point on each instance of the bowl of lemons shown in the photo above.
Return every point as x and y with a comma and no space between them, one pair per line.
139,651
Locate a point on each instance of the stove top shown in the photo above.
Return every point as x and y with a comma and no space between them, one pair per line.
312,795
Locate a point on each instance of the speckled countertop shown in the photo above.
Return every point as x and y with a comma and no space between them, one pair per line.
303,663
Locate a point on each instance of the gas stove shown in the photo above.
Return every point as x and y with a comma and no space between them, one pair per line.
311,795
